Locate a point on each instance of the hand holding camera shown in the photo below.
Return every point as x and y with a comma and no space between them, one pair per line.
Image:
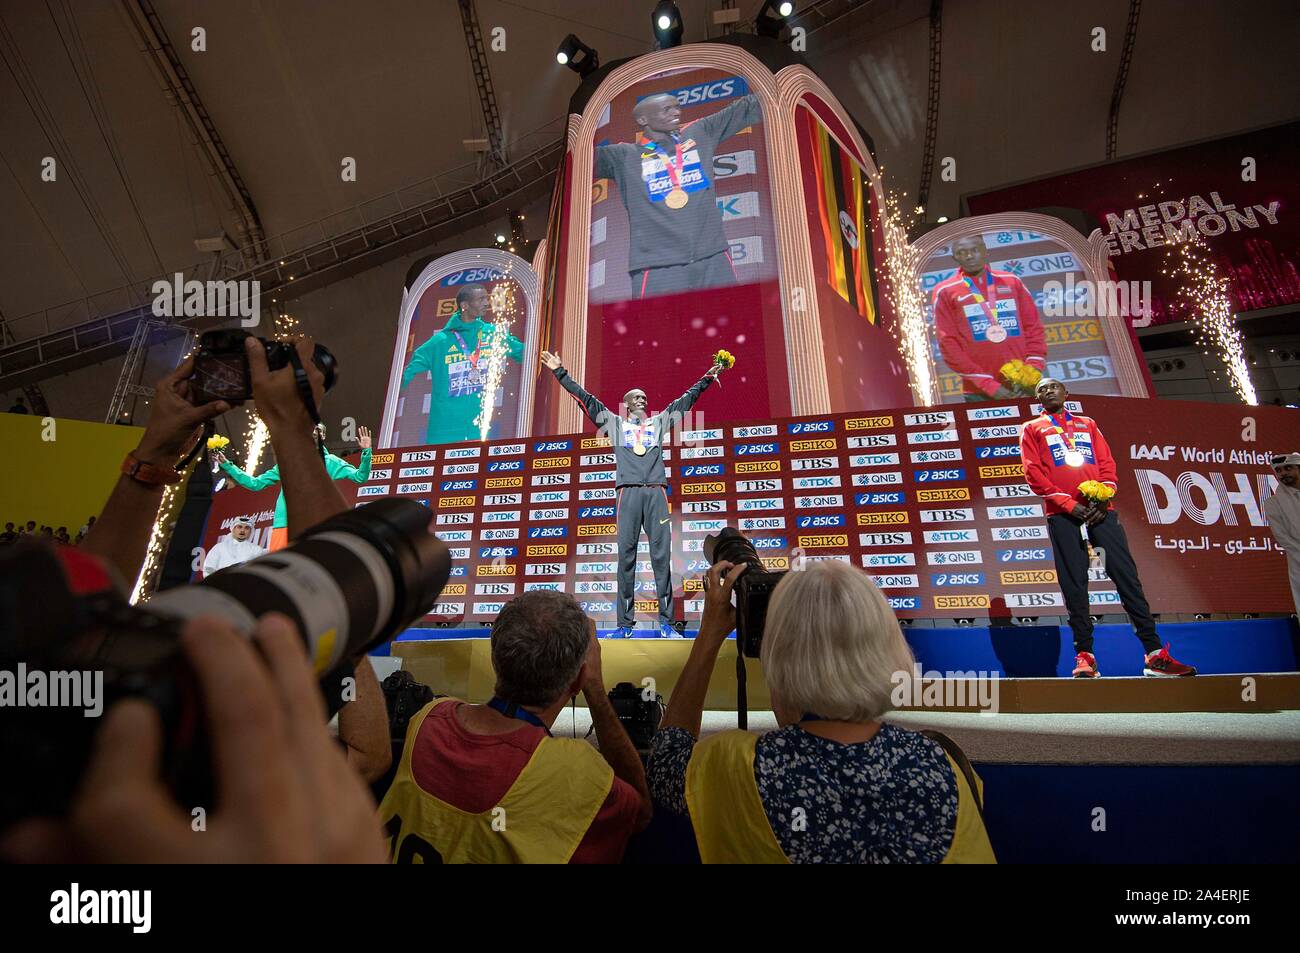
176,420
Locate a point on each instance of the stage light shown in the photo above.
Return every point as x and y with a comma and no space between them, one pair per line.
667,23
577,56
772,17
941,219
501,239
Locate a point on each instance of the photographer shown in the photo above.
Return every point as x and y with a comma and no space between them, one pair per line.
490,784
832,784
287,794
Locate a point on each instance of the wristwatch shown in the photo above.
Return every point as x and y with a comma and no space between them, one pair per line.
147,473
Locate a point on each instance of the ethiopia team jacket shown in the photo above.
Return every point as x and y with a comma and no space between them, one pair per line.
961,325
1043,451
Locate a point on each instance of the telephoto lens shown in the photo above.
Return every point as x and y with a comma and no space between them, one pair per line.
350,584
753,589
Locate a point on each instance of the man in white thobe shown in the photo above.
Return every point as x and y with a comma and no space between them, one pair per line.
1282,510
233,549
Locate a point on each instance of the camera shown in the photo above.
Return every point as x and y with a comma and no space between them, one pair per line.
221,365
753,589
639,715
350,584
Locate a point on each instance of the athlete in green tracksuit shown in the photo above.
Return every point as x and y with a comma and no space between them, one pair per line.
458,357
336,467
641,485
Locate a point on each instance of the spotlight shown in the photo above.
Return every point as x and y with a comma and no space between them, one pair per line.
772,17
941,219
577,56
501,239
666,21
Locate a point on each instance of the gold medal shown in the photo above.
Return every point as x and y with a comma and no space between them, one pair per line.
676,198
639,449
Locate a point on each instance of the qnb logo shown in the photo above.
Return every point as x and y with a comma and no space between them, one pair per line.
1204,498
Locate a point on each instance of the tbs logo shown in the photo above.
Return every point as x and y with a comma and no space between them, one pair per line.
459,484
702,469
995,452
547,532
588,511
813,426
808,522
750,449
499,465
550,446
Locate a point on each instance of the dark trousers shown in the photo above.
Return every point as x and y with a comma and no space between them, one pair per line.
644,506
716,271
1072,573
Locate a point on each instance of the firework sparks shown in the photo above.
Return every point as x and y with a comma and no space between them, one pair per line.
502,305
902,265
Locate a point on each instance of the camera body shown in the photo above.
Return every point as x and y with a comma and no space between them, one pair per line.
753,589
639,715
221,365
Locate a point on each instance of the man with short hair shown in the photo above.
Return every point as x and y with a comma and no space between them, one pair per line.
985,319
491,784
640,482
457,359
233,549
665,179
1282,510
1060,452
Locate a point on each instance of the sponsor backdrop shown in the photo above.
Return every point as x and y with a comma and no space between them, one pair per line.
1076,348
1239,194
931,503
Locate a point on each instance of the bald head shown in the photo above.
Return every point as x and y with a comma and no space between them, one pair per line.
658,114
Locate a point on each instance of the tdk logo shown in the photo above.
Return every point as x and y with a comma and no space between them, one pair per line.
937,476
500,465
770,542
459,485
879,499
750,449
491,552
703,469
809,522
547,532
589,511
813,426
550,446
1000,450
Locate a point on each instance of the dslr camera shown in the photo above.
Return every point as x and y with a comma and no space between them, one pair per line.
221,365
753,589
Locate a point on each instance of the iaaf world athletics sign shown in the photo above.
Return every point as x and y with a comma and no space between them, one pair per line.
1179,220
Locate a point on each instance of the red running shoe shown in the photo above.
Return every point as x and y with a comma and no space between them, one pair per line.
1164,665
1085,666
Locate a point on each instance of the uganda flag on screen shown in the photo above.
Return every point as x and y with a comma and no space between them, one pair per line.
842,198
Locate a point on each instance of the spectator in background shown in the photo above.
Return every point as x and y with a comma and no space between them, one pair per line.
9,535
61,535
490,784
1282,510
833,784
19,407
86,527
31,528
233,549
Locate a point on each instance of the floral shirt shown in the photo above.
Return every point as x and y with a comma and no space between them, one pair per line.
891,799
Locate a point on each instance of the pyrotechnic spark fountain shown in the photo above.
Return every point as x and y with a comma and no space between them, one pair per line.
902,265
502,305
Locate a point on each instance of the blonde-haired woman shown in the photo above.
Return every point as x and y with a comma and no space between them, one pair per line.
832,784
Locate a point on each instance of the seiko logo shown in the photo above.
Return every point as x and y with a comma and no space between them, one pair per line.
696,489
950,494
885,518
548,549
759,466
552,463
805,446
502,483
453,501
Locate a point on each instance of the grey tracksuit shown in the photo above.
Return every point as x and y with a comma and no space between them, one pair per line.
642,495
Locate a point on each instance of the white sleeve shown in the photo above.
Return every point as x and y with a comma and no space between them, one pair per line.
1280,524
213,561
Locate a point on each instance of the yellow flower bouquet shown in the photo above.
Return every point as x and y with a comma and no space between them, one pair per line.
1095,491
725,358
1022,377
218,442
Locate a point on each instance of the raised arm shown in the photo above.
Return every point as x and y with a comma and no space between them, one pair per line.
340,469
247,480
729,120
596,411
420,362
672,414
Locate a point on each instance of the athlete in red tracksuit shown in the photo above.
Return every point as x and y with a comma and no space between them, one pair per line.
1061,451
971,342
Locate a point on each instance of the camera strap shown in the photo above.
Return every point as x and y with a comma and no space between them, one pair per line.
304,391
208,430
512,710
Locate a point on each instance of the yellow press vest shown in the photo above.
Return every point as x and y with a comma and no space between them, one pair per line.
541,819
731,826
